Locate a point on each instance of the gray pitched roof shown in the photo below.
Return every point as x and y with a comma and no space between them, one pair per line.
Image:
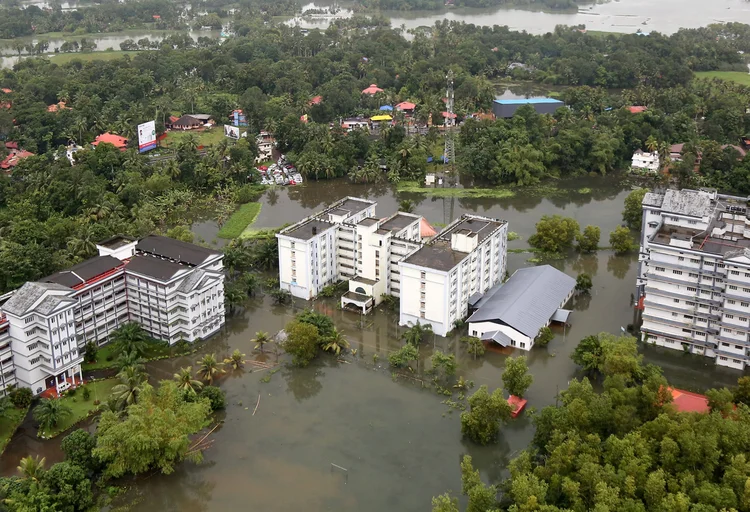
21,301
162,270
687,202
79,274
191,281
176,250
527,300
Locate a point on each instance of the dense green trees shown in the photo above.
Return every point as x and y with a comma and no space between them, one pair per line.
633,212
481,422
621,240
301,342
554,233
588,239
516,378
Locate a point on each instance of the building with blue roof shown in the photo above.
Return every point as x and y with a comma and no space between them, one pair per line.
505,108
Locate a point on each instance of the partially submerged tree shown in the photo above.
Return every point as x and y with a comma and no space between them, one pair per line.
516,378
481,421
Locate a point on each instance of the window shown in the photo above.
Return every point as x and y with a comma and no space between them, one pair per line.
729,316
724,344
422,295
678,272
680,258
421,305
692,222
692,274
692,289
677,301
730,301
660,269
744,304
738,347
28,320
422,275
687,331
743,319
735,272
722,358
674,314
421,315
377,254
732,287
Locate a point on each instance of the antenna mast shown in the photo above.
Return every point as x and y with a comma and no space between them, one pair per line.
450,147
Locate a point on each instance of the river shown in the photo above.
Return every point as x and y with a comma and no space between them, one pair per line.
628,16
399,444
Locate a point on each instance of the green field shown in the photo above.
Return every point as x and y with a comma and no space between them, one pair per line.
240,220
64,58
9,422
731,76
206,137
81,408
106,356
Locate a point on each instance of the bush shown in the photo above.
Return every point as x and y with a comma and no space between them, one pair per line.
588,240
71,392
302,342
621,240
248,194
91,350
544,337
21,397
86,393
554,233
402,356
215,395
77,447
583,283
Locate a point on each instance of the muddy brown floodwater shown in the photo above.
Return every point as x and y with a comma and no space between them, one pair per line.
400,445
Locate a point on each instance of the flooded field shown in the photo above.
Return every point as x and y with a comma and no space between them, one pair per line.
398,443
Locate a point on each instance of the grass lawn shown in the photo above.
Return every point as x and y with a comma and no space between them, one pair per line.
206,137
64,58
81,408
731,76
9,422
106,356
240,220
259,233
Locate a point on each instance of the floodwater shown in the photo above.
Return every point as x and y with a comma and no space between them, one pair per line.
626,16
398,444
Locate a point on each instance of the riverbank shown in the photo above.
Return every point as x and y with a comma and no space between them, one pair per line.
65,58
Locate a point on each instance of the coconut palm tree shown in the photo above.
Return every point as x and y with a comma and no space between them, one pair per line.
236,360
209,368
260,340
335,343
186,382
129,359
652,144
130,338
416,333
406,206
266,254
49,412
31,467
131,382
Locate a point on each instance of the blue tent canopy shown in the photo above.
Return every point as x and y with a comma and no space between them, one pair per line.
386,107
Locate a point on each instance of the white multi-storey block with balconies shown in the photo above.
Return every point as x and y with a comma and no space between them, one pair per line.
173,289
465,260
694,274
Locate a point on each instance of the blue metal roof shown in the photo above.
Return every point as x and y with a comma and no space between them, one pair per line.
526,101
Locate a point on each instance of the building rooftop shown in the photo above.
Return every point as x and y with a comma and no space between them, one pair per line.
693,203
116,242
483,227
27,295
653,199
527,101
176,250
353,204
83,272
158,268
527,301
437,256
399,221
308,229
369,221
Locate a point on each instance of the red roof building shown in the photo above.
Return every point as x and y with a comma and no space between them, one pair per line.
316,100
372,90
425,230
517,405
685,401
446,114
14,158
110,138
6,90
405,105
11,145
637,109
56,107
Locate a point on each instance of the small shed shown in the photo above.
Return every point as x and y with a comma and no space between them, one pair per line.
511,314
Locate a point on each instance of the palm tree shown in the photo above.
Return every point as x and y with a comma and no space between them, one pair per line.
416,333
406,206
209,368
651,143
261,338
131,382
186,382
251,283
335,342
130,338
129,359
267,254
236,360
31,467
49,412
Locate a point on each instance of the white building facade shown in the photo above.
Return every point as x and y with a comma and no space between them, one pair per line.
645,162
468,257
174,290
694,274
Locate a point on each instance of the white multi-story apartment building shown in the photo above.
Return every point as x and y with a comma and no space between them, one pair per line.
693,280
433,279
461,263
172,288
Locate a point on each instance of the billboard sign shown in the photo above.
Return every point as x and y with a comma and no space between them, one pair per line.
146,136
233,132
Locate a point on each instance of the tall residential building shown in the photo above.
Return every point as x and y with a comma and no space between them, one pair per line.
460,264
173,289
390,256
694,274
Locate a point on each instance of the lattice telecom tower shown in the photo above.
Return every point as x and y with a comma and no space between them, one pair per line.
450,146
